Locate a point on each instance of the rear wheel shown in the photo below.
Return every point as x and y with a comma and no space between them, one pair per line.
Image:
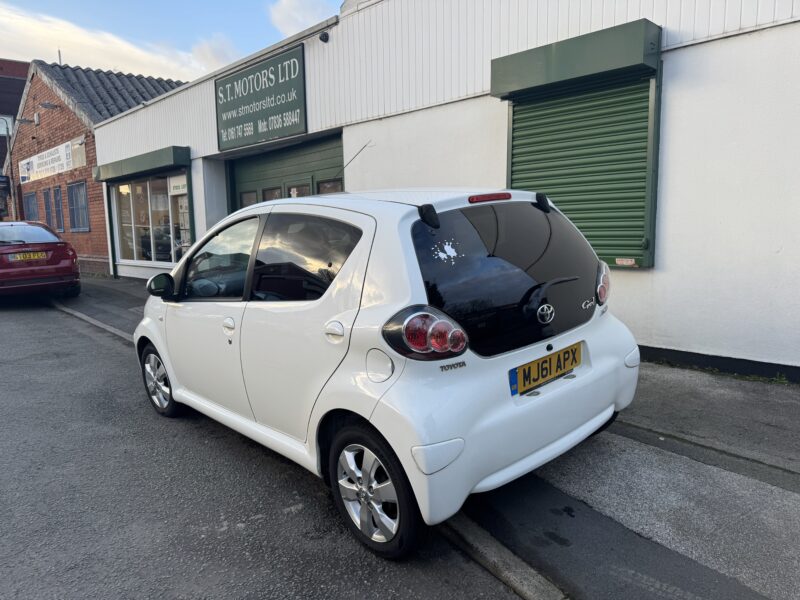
372,493
156,383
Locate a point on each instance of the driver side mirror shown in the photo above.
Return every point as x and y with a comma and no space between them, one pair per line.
162,286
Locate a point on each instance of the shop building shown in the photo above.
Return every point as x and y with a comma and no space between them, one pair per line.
666,134
53,150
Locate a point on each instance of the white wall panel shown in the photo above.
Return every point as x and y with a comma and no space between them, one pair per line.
396,56
417,53
727,205
186,118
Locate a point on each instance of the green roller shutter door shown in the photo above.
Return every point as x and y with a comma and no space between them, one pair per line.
307,164
592,151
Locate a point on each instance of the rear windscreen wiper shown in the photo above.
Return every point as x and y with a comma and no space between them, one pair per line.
532,298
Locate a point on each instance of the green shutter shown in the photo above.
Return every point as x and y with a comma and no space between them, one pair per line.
592,151
308,163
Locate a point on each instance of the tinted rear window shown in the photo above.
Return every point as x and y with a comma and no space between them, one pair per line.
26,234
490,267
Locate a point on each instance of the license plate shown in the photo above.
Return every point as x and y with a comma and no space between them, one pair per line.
29,256
543,370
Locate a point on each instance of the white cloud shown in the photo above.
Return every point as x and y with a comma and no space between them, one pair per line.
28,35
292,16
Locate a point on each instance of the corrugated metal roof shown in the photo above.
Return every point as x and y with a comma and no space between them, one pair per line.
101,95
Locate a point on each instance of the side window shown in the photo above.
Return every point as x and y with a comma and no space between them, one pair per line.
30,206
218,269
59,209
300,255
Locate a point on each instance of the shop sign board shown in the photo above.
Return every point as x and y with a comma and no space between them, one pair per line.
266,101
67,156
177,185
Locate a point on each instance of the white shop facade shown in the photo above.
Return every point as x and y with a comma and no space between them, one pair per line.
668,139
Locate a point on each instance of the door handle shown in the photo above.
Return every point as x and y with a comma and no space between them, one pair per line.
229,325
334,329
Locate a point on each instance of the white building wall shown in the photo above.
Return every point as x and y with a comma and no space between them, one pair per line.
728,225
395,56
457,144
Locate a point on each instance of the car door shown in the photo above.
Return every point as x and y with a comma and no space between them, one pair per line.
204,325
306,290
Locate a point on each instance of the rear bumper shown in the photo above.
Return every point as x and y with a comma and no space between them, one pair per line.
52,283
502,437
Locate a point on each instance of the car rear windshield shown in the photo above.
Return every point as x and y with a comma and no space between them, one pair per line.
25,234
491,267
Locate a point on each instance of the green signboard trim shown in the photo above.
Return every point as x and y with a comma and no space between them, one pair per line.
171,156
263,102
628,48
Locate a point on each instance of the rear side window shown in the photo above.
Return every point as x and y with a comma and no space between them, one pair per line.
300,255
490,267
26,234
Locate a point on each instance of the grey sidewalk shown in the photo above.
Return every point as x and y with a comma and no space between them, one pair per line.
117,303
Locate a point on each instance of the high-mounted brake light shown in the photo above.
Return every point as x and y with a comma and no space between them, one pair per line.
489,197
425,333
603,283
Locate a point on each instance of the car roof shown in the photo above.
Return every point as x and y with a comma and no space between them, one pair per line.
371,200
12,223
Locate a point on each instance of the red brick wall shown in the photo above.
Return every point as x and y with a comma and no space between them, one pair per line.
57,126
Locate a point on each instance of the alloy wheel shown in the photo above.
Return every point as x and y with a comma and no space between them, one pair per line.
156,381
368,493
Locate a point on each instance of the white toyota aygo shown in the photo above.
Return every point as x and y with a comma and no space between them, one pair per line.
410,347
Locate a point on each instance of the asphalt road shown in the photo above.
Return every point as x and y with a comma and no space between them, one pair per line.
102,498
692,494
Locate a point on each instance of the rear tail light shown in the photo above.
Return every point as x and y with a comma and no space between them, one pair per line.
603,283
424,333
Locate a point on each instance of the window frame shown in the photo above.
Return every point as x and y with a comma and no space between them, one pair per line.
180,275
48,207
72,211
58,207
26,199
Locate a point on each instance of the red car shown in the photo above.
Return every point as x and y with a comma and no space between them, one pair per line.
34,259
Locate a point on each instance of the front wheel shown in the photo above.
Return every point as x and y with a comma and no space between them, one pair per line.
156,382
372,493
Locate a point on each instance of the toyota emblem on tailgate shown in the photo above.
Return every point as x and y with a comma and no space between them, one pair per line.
545,313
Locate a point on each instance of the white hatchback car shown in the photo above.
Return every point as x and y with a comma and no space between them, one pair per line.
410,347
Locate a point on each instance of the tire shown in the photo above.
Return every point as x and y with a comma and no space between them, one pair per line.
156,383
392,526
73,292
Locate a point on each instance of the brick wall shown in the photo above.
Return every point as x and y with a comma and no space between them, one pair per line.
57,126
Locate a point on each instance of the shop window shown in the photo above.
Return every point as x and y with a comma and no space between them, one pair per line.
331,186
59,209
30,206
298,191
152,219
248,199
271,194
48,208
300,255
78,206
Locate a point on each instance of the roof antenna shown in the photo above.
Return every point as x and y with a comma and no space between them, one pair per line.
352,159
59,56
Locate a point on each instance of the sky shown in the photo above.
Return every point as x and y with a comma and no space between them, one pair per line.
176,39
